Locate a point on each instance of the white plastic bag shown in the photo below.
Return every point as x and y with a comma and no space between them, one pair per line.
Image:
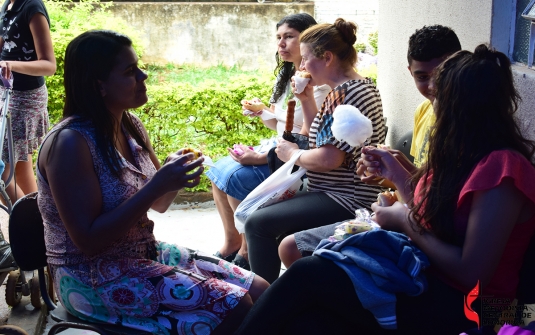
281,185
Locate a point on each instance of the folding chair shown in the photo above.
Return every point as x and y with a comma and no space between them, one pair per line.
26,233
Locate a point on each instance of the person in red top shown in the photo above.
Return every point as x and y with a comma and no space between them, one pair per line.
472,213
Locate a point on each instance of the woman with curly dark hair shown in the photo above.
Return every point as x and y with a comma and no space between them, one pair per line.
235,176
472,215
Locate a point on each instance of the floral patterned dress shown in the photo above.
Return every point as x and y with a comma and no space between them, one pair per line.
137,282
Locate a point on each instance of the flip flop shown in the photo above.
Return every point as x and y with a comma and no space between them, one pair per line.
228,258
241,262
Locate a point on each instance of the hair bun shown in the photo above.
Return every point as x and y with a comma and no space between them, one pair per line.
347,29
484,52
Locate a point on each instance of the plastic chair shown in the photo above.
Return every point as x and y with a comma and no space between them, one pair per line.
404,145
26,232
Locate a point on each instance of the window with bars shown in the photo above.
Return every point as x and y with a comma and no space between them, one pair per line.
522,31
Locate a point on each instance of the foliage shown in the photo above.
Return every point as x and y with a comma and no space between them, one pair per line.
161,74
206,116
360,47
188,105
67,20
373,39
369,71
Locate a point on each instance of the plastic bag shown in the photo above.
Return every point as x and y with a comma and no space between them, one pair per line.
275,163
361,223
281,185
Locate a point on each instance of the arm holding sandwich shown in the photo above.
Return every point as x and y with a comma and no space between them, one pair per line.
308,103
370,179
386,164
255,107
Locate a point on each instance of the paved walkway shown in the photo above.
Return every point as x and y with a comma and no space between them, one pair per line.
196,226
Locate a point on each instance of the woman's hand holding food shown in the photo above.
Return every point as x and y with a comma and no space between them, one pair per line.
253,107
285,149
179,171
307,93
247,156
382,163
365,176
393,218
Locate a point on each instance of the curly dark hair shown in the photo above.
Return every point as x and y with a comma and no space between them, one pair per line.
475,103
432,42
285,70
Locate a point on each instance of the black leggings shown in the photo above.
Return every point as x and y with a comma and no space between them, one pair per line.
315,296
265,227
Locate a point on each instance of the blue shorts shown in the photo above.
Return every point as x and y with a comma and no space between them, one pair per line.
235,179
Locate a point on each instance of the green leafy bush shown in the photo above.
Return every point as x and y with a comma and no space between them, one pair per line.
370,72
373,39
360,47
206,116
67,20
202,113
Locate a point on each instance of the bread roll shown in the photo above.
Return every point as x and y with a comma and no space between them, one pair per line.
386,199
254,106
196,153
304,74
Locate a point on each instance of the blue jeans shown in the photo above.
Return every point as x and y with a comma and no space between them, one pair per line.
235,179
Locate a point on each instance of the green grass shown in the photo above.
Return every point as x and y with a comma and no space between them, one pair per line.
171,73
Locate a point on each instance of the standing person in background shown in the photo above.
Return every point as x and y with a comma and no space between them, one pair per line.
235,176
28,55
334,189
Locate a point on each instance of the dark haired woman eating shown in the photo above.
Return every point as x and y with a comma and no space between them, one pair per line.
235,176
472,214
98,176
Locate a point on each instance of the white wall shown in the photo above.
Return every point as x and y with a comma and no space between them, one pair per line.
363,12
208,33
474,21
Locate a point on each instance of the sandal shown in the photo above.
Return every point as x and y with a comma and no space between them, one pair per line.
240,261
228,258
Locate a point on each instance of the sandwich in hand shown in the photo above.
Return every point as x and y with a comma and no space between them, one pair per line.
301,79
196,153
386,199
303,74
253,105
